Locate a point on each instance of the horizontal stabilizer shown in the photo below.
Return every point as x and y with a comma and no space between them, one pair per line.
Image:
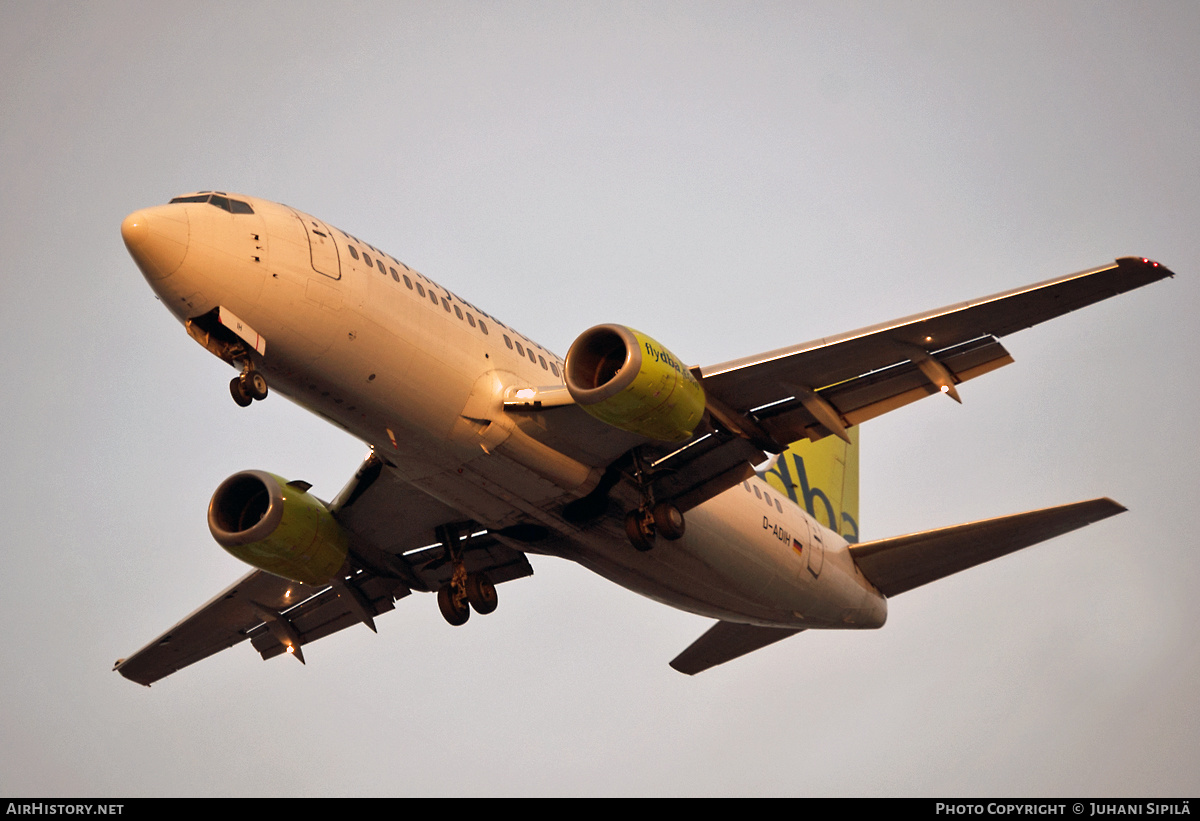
901,563
724,642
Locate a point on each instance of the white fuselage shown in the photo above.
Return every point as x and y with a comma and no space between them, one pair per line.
418,373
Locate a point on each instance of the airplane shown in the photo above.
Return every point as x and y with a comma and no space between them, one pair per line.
729,491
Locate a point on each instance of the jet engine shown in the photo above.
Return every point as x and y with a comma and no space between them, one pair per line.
625,378
277,526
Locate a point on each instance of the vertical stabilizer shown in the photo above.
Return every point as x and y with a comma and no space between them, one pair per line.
822,477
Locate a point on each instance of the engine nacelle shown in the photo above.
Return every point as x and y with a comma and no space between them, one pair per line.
625,378
277,527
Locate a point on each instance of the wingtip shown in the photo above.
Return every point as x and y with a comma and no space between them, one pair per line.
1161,270
680,669
1117,506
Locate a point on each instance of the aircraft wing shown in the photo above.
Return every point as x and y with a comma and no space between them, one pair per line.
821,387
394,550
901,563
760,404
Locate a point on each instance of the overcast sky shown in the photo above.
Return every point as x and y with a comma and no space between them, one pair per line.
730,178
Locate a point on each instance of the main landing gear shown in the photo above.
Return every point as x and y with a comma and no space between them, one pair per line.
249,386
476,591
465,591
644,523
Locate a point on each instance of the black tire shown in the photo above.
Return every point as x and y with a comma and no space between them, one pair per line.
481,593
255,385
450,608
238,391
668,521
638,537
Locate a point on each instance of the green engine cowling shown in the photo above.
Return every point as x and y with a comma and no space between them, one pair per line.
625,378
278,527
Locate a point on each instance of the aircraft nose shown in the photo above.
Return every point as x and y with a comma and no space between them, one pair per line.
157,239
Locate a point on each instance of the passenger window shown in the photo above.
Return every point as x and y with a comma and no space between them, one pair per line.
433,297
457,312
746,485
446,305
379,265
483,327
777,506
756,493
470,320
545,367
395,276
520,350
353,251
367,259
420,290
407,281
532,358
508,342
554,369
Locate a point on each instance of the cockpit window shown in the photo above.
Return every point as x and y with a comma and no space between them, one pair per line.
224,203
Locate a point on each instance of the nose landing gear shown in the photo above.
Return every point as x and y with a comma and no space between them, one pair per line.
249,386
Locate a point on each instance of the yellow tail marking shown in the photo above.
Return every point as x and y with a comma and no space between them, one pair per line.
822,478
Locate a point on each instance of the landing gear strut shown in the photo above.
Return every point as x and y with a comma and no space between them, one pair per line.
476,592
663,519
640,530
249,386
465,591
651,518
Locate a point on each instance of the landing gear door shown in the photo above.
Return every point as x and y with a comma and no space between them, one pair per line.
321,245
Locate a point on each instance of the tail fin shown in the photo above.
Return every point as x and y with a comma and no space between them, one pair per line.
822,477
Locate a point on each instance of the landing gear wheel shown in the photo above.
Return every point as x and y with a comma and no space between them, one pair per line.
454,609
638,530
481,593
668,521
238,391
254,384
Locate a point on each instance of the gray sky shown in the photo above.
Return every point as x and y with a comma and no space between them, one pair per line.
730,178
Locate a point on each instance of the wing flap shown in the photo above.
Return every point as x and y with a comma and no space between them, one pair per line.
706,468
725,641
224,621
901,563
480,554
874,394
328,612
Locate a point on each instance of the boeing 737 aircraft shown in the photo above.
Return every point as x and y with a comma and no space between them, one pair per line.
485,447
